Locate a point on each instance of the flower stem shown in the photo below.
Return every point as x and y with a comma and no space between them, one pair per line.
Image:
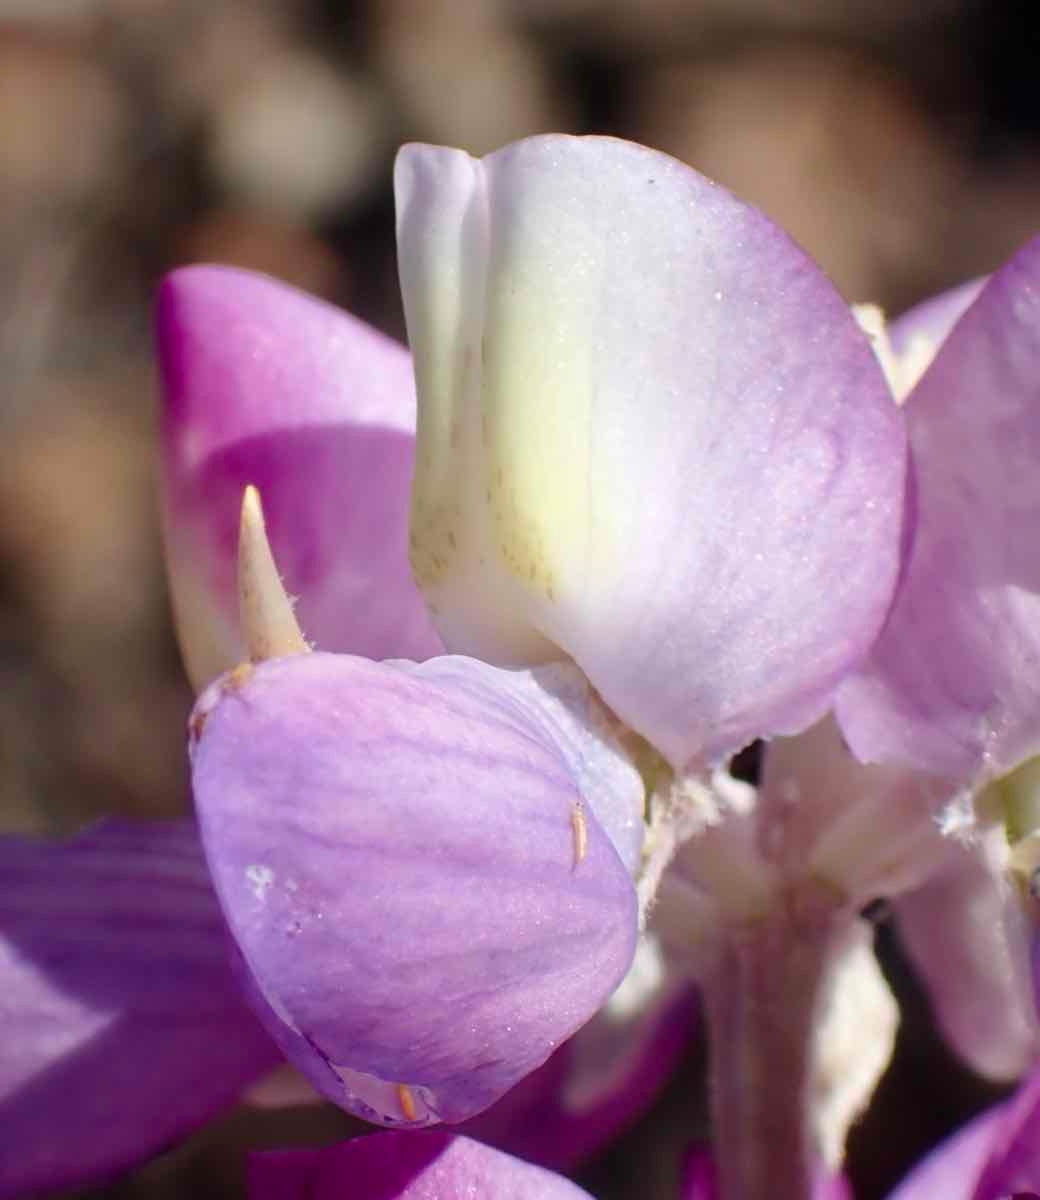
761,992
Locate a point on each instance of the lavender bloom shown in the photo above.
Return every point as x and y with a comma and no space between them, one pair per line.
950,690
835,442
658,495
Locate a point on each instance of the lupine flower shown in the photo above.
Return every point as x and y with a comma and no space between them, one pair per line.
950,687
546,410
659,495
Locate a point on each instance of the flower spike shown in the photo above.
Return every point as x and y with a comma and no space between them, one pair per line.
269,625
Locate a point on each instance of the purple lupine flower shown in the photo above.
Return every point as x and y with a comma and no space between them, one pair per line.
698,477
950,688
546,411
543,511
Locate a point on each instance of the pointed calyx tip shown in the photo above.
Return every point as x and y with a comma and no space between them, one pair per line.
265,612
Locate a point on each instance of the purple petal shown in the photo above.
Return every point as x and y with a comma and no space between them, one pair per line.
920,331
953,684
123,1025
969,938
265,385
395,850
699,1178
952,1171
1013,1162
652,437
429,1165
994,1156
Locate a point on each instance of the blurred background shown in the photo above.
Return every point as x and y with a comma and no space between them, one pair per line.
897,140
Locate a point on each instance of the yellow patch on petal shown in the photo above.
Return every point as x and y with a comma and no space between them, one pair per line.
536,405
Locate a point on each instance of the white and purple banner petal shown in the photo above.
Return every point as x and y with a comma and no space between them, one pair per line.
651,438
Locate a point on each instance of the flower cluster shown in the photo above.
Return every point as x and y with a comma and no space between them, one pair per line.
465,844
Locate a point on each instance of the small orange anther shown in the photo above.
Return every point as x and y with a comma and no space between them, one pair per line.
407,1102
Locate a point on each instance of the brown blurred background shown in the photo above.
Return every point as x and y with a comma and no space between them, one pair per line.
896,139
